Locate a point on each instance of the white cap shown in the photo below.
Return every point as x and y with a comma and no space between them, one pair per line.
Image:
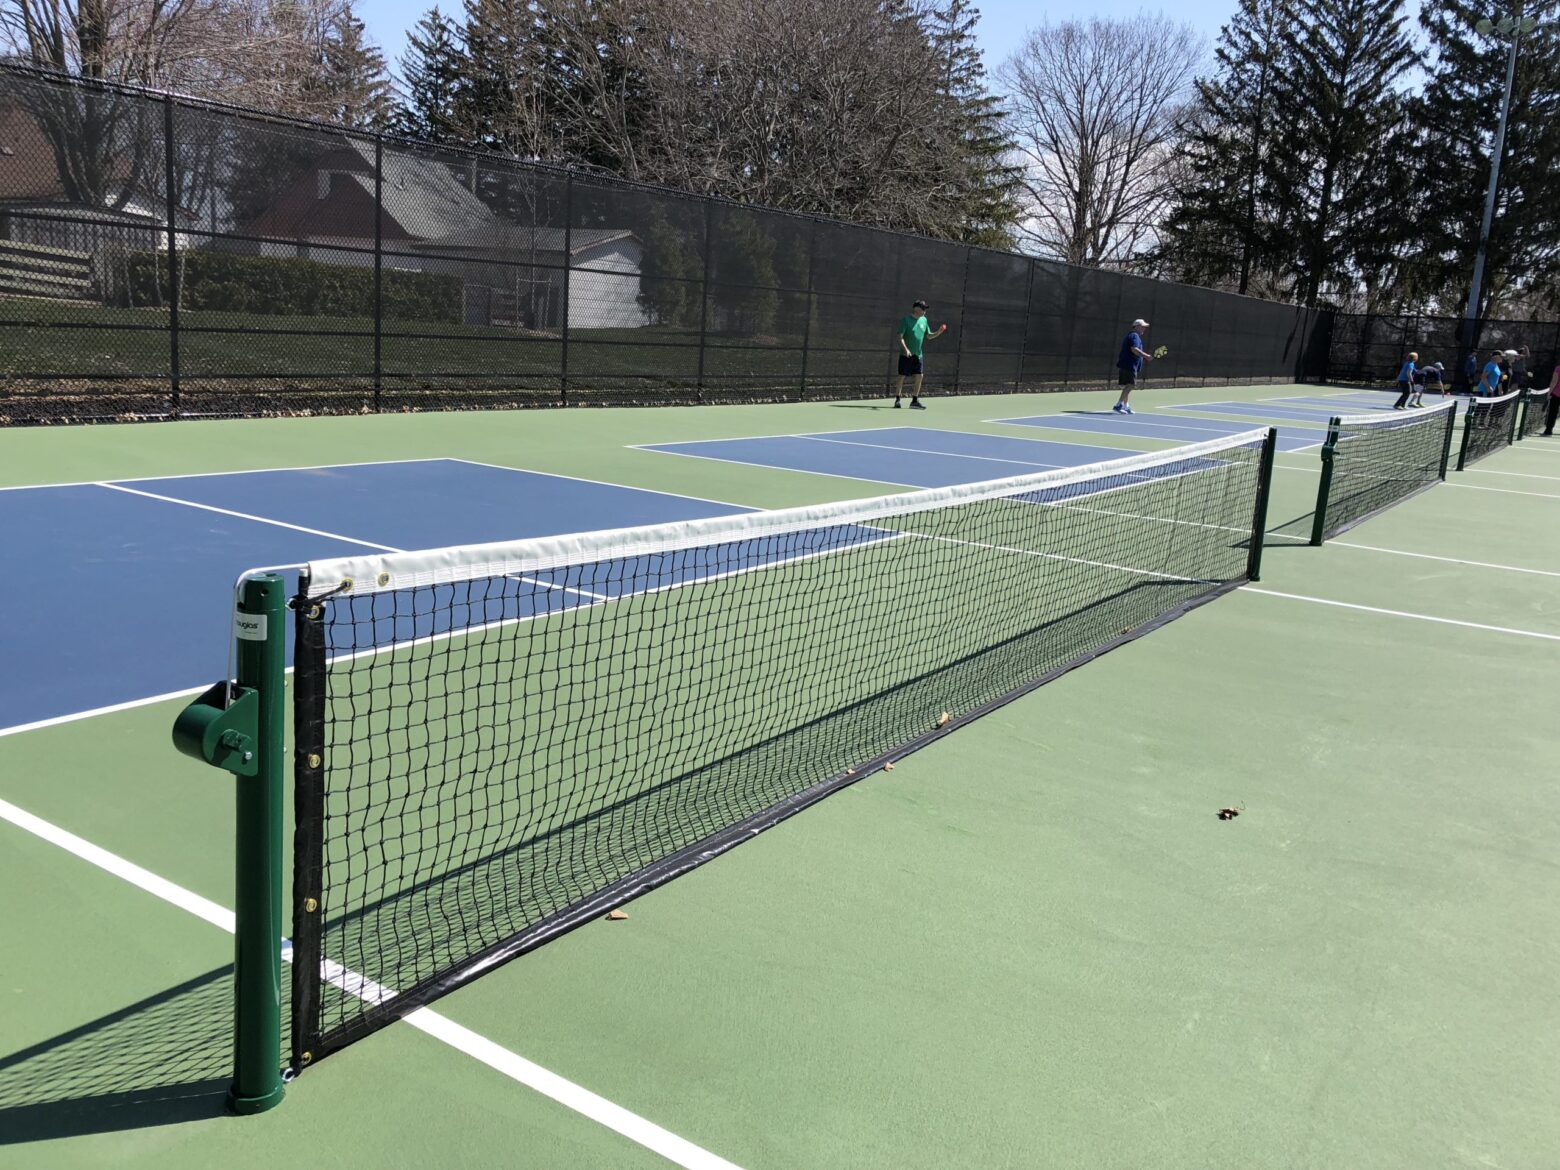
1512,353
1140,324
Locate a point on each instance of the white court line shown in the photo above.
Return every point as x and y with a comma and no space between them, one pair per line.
1479,487
1172,422
1397,552
312,531
28,487
949,454
1518,474
770,466
625,486
517,1068
56,720
114,487
1422,617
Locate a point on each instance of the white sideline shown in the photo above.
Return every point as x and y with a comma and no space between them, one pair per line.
1423,617
512,1065
1398,552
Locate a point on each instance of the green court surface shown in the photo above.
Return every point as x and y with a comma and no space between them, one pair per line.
1031,944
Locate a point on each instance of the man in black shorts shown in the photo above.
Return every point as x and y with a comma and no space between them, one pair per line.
1129,364
914,331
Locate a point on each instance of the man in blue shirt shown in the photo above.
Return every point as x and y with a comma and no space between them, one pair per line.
1129,364
1405,381
914,332
1489,380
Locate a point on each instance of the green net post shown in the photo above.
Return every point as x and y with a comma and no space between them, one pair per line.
1259,514
240,727
1319,517
261,629
1446,445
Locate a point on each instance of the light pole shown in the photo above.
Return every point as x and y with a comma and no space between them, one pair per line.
1511,28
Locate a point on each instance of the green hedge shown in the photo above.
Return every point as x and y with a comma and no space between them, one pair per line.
230,282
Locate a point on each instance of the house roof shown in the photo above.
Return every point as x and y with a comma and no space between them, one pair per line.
519,238
420,195
30,175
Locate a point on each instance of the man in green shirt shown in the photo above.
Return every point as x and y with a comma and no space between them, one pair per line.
914,331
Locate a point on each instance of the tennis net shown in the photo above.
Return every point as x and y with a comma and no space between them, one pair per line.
1534,404
1488,425
495,744
1373,461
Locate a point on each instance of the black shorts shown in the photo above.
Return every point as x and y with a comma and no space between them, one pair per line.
1126,377
910,365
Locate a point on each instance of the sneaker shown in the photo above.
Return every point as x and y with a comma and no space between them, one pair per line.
1125,409
897,404
917,404
1117,408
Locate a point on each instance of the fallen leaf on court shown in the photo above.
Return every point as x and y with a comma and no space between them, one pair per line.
942,720
1229,814
888,767
616,916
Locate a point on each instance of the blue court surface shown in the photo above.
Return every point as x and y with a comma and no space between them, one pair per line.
1160,426
1270,411
139,573
902,456
1363,402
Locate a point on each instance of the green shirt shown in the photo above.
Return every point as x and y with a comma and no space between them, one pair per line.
913,330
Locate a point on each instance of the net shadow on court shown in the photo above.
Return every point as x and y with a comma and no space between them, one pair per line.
163,1060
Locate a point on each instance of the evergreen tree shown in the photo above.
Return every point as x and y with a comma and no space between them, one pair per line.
433,74
1222,229
352,79
1343,165
670,268
1457,114
984,204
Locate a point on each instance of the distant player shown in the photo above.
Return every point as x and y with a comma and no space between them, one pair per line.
1405,381
1552,407
1490,377
1129,364
914,332
1430,378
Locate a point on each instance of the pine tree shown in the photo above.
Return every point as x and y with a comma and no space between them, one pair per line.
1343,164
983,207
352,79
1222,229
433,74
1457,115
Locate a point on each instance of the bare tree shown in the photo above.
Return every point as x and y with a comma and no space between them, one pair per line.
1094,107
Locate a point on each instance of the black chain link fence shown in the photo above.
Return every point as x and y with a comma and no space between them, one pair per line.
1368,349
164,257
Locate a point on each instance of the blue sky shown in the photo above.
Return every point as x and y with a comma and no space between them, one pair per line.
1002,22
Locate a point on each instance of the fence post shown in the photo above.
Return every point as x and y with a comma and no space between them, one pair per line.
704,292
379,269
812,259
170,203
1023,336
958,338
568,267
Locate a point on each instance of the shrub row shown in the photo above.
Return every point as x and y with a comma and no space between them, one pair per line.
281,286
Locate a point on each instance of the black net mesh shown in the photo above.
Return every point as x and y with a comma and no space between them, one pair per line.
491,754
1372,462
1488,425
